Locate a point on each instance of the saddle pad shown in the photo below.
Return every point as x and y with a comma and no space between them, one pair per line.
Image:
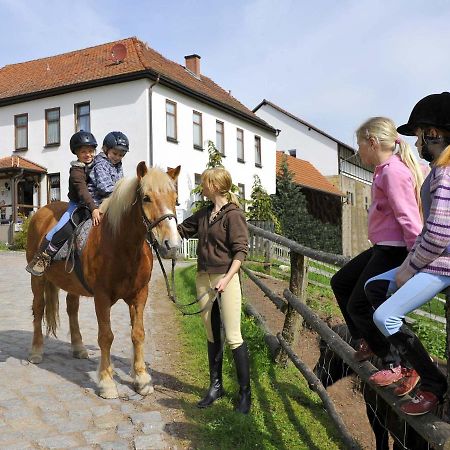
81,235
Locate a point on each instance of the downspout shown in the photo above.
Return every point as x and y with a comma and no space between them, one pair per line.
150,118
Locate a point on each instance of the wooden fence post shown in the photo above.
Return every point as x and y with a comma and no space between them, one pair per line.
293,320
267,255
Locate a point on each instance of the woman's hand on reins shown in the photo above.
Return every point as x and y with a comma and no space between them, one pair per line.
222,284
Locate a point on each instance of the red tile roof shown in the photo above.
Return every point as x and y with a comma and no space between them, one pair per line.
81,68
305,174
17,162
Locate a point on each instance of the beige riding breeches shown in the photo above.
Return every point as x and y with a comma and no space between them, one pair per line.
230,306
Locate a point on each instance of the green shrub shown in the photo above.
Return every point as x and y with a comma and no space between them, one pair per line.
20,238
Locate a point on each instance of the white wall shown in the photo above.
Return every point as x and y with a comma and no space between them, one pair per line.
320,151
125,107
169,154
116,107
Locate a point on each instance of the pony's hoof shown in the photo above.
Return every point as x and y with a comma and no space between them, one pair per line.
80,354
108,392
35,358
143,384
145,389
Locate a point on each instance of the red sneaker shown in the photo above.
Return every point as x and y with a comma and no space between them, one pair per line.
386,377
363,352
422,403
407,383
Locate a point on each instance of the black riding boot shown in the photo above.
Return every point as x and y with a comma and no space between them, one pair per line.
241,360
410,347
215,391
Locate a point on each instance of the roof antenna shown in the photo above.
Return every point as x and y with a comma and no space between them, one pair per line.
118,53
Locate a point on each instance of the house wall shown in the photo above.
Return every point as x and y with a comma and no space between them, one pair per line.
354,214
116,107
310,145
125,107
170,154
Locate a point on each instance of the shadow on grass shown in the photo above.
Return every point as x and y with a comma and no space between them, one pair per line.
274,421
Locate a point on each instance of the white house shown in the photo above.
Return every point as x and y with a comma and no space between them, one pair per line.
335,160
168,111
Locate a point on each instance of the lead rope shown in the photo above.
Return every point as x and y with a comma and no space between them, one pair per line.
170,292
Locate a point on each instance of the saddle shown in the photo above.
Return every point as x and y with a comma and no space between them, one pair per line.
72,249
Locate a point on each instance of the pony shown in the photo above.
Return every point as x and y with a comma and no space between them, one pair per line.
330,368
117,264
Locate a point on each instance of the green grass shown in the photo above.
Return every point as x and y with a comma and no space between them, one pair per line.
3,247
285,413
432,335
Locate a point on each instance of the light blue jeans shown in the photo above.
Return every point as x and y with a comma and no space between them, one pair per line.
64,219
417,291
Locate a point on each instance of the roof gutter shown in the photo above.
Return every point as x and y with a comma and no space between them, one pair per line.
133,77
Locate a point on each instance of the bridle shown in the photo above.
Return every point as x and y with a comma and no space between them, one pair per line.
153,242
151,239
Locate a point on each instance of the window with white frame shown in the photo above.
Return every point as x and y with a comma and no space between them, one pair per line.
241,188
197,182
349,199
197,130
52,126
258,162
220,137
171,121
240,144
53,187
83,116
21,131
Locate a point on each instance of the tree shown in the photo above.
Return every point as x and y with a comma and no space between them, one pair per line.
297,223
261,205
214,160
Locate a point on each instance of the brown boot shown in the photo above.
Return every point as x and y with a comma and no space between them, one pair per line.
41,260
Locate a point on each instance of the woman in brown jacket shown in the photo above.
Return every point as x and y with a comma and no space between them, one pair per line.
222,247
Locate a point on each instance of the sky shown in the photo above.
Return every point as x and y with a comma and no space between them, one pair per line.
331,63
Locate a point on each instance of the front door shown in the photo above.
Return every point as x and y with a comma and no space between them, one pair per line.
25,189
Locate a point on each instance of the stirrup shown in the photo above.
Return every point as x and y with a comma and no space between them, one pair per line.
39,264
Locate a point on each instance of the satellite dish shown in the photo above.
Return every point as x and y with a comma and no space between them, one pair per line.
118,53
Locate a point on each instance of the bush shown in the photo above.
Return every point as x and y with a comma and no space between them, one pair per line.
20,238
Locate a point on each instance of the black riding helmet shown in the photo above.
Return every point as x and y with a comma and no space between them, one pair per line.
116,140
433,110
82,138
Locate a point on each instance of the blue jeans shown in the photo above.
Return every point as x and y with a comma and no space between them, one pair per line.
64,219
418,290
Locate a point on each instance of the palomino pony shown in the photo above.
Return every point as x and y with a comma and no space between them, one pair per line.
117,264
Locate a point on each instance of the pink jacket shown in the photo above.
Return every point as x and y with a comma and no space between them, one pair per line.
394,213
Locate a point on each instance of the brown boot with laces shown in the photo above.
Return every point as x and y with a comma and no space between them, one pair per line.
39,264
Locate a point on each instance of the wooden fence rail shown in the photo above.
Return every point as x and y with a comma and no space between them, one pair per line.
430,427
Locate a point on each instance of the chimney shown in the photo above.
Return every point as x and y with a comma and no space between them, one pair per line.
193,64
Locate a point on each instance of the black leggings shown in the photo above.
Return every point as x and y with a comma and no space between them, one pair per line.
348,287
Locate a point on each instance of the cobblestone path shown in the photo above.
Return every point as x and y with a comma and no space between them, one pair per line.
53,405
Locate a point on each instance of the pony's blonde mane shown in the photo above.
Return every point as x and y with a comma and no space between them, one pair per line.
117,205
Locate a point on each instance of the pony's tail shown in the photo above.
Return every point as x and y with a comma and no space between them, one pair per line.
51,300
